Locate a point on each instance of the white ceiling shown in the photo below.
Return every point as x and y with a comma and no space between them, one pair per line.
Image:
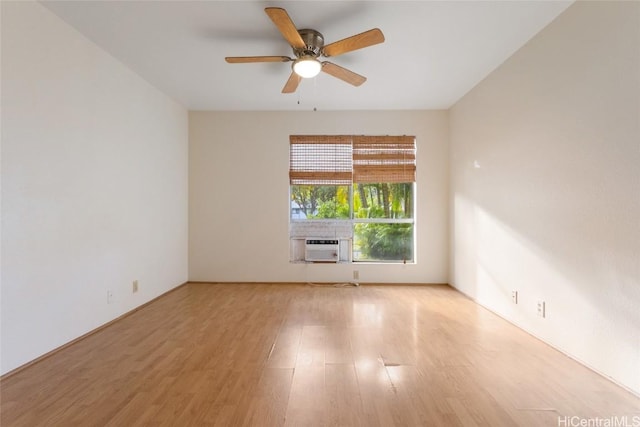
434,53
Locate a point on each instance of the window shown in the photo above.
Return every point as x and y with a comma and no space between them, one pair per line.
364,182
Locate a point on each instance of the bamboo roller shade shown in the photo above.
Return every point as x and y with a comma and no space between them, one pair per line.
343,159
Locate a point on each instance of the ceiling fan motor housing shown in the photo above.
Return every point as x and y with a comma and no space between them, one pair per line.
314,42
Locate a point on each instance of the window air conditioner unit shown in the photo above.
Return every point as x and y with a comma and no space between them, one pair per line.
321,250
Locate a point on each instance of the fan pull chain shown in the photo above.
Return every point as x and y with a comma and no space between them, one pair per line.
315,91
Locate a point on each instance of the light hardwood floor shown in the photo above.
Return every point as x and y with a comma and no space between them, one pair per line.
297,355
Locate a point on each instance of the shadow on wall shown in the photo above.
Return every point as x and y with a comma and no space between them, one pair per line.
589,285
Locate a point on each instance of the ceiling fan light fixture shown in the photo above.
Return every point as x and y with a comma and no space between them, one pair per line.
308,45
307,67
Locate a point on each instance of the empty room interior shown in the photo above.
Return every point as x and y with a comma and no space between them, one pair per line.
439,225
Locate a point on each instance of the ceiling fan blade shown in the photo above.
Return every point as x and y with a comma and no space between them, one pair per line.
281,18
343,74
359,41
292,83
245,59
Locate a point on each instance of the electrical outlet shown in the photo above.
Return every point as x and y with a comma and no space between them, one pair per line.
109,296
514,296
356,275
541,309
135,286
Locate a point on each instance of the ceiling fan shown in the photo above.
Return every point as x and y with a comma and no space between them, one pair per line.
308,46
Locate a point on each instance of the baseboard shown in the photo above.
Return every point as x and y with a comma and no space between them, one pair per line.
319,283
88,334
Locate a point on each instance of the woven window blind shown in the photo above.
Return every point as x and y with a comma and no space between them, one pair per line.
346,159
320,160
378,159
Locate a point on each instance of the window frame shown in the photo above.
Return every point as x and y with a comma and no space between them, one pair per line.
352,220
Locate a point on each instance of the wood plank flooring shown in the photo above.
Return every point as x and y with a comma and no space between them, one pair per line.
297,355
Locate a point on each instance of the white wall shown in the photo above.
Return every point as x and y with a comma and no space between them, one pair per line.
94,186
545,184
238,221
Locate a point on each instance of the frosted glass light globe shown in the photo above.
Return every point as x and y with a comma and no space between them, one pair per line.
307,67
